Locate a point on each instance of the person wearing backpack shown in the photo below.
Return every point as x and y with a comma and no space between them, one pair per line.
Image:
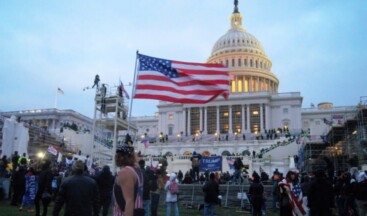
171,188
361,193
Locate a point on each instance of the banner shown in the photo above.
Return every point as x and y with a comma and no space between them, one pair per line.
338,120
230,162
211,164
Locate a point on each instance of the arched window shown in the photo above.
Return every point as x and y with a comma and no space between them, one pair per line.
233,62
239,63
256,64
227,63
251,63
245,62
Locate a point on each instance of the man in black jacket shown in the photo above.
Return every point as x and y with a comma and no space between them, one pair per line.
44,192
320,195
211,190
79,193
105,181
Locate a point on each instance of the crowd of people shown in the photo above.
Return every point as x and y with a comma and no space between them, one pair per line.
136,188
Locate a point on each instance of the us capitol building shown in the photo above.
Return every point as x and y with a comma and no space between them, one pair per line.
256,118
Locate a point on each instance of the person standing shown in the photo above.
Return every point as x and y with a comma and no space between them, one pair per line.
211,193
171,196
31,186
128,188
256,192
105,181
5,177
146,187
18,184
79,193
320,195
44,192
360,192
157,186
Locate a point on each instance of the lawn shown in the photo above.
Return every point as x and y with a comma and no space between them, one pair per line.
8,210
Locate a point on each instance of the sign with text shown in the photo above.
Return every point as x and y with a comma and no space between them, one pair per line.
211,164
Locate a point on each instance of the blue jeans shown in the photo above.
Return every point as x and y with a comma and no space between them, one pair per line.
175,207
209,209
146,207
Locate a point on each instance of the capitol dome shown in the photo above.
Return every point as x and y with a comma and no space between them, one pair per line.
243,54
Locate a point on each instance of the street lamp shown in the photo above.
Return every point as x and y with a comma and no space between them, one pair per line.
40,155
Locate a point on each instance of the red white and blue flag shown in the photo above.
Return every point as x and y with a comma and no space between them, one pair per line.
230,162
146,143
59,90
52,150
180,82
295,197
123,90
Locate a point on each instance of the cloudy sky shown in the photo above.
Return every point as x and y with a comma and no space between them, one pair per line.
317,47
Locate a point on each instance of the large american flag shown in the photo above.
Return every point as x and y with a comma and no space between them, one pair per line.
180,82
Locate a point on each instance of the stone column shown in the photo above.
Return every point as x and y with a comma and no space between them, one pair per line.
230,119
201,119
261,119
218,130
267,117
242,118
184,121
188,121
205,120
248,119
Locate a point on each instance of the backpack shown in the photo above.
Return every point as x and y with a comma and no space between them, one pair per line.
173,187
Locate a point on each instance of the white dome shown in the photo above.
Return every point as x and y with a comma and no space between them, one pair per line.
237,40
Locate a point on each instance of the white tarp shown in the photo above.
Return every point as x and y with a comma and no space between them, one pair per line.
15,137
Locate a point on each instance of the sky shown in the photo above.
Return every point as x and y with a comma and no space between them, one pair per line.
317,48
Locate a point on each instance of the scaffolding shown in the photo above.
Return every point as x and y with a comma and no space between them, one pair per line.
344,145
110,124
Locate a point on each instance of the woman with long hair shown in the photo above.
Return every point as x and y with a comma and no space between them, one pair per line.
291,195
128,187
256,192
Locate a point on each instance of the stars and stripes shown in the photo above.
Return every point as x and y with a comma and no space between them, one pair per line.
180,82
59,90
52,150
295,197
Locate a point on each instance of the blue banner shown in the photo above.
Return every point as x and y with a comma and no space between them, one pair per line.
211,164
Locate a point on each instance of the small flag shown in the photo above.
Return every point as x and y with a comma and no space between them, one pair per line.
327,122
230,162
59,157
122,90
52,150
59,90
312,105
146,143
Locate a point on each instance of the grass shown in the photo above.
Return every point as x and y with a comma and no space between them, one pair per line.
8,210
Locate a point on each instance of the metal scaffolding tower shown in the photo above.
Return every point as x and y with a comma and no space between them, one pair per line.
110,124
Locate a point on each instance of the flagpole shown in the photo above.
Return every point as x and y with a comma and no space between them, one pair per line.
132,93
